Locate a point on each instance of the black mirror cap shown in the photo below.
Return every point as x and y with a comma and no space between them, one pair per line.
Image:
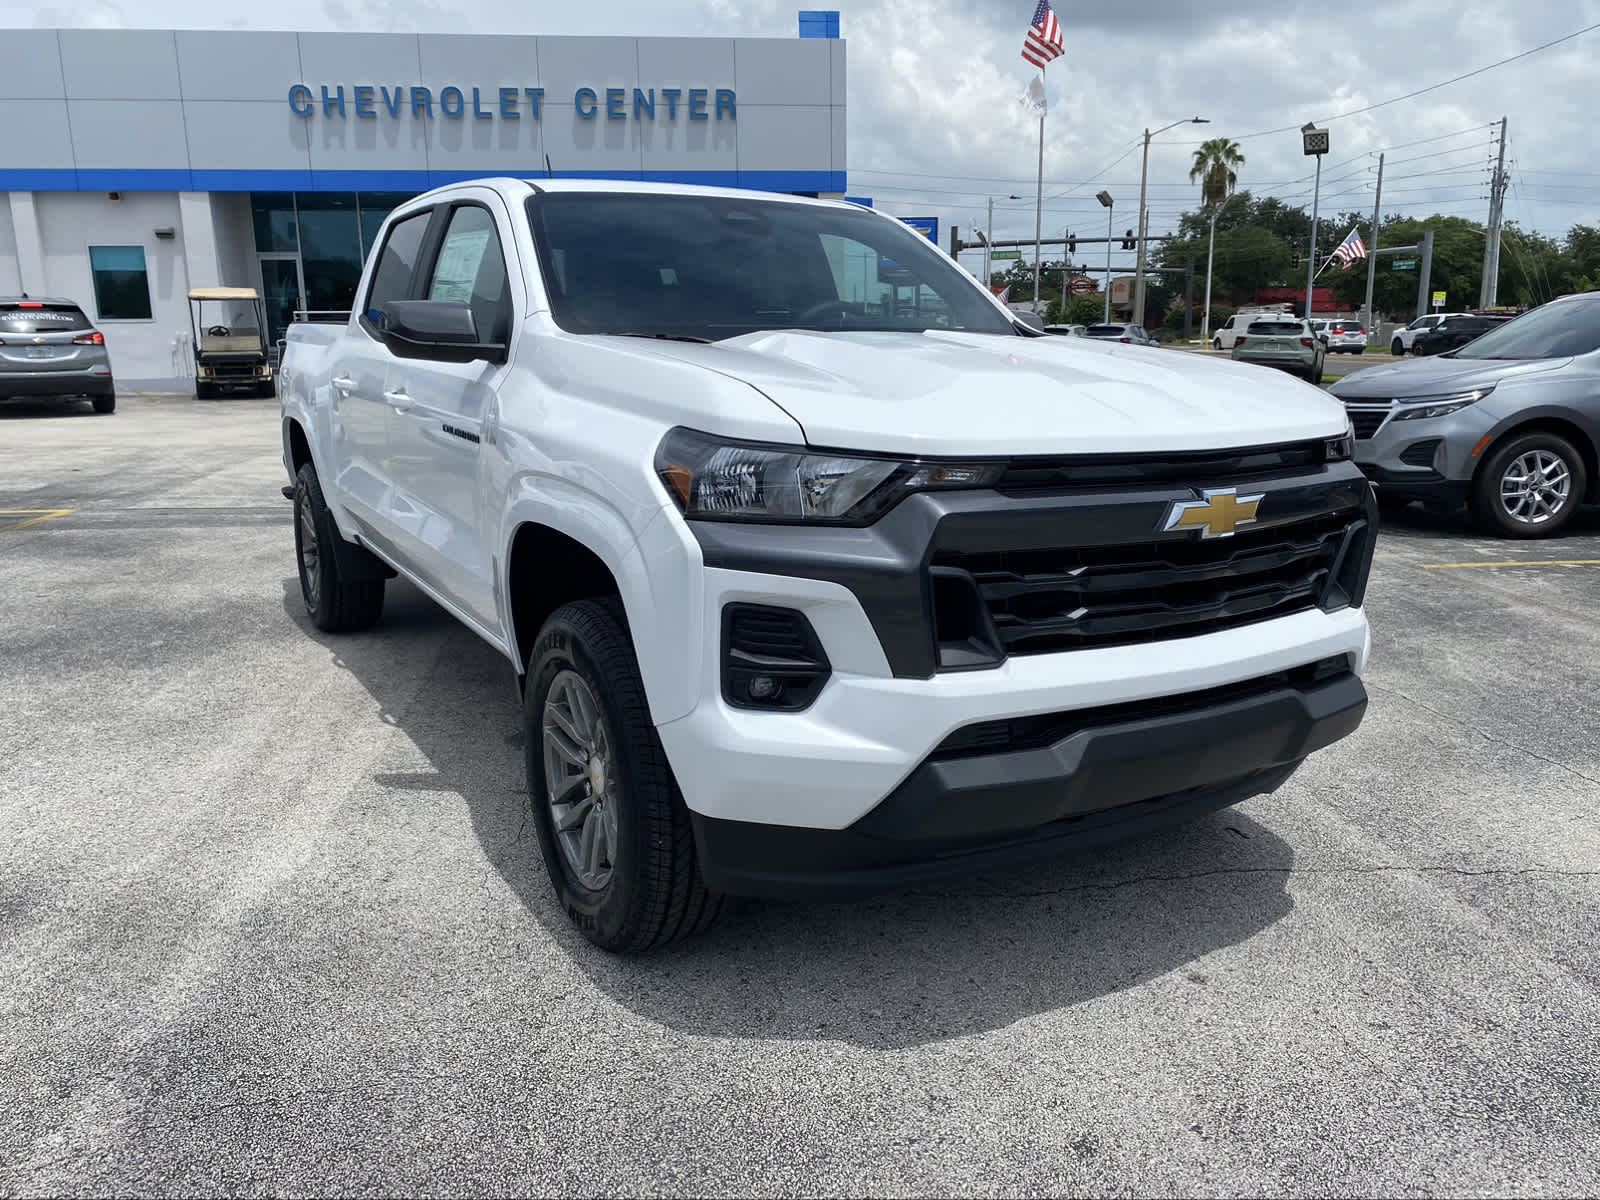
438,330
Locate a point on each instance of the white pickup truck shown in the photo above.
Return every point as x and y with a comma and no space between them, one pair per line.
819,573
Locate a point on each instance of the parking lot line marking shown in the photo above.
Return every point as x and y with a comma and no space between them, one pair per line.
36,516
1539,562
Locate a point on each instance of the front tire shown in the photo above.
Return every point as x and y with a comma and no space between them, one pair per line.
104,404
1397,348
335,604
1216,343
1530,487
612,825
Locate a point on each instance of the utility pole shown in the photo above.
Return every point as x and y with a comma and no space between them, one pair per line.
988,236
1488,291
1368,317
1425,275
1038,210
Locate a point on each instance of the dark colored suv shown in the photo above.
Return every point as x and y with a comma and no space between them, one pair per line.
1454,332
51,348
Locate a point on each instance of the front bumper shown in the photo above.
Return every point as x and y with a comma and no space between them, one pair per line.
1110,774
1430,460
1287,360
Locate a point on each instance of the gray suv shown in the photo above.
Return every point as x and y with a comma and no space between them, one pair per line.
1509,422
50,348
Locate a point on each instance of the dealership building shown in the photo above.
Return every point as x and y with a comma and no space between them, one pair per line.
136,165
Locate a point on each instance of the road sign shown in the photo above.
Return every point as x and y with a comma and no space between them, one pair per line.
1004,255
1405,264
1082,285
1438,299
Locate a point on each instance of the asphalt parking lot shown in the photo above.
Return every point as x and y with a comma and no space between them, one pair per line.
271,920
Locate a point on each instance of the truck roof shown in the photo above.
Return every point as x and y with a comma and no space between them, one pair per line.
626,187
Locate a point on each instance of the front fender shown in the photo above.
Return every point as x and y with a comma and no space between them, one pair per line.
658,573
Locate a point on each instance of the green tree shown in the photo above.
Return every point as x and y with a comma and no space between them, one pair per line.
1214,169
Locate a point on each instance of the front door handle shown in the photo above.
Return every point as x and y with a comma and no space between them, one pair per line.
398,400
343,382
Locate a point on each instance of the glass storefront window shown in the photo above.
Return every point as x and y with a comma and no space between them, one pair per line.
273,216
330,249
375,209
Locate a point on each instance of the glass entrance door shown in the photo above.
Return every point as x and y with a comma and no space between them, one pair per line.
282,292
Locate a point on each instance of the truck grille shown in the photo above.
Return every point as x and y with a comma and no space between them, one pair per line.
1044,601
1367,418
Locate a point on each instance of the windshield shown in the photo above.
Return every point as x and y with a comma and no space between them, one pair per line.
716,267
1557,330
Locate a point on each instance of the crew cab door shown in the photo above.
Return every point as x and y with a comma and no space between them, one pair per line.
358,369
438,410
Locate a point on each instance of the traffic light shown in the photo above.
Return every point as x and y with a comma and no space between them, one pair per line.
1072,245
1127,241
1294,262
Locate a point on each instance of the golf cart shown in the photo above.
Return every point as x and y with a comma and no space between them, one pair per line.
230,343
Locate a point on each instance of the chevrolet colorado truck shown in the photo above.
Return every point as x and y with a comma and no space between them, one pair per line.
818,572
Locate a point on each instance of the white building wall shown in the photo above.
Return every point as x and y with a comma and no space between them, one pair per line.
236,239
10,277
71,222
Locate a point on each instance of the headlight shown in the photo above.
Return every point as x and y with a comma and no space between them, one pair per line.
1343,447
715,479
1420,408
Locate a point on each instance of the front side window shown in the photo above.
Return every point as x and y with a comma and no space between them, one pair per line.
121,283
392,279
717,267
471,267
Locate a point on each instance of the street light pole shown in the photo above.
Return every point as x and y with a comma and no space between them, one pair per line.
1144,180
1105,199
1313,141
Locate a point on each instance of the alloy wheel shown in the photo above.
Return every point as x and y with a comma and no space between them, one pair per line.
1535,487
580,781
310,554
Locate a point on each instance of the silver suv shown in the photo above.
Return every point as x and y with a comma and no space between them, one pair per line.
50,348
1509,422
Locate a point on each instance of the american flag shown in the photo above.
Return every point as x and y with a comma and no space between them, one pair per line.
1350,249
1044,37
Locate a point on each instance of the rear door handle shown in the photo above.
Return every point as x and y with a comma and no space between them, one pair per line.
398,400
343,382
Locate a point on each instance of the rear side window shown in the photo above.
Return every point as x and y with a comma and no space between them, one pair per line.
392,279
471,267
30,316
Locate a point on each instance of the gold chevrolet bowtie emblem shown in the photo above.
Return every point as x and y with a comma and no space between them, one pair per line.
1221,512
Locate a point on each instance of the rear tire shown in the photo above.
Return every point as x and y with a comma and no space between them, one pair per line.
1529,487
612,825
104,404
335,604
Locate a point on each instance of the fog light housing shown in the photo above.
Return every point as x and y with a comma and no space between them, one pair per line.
772,659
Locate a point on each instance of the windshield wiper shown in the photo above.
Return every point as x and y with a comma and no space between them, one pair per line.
662,337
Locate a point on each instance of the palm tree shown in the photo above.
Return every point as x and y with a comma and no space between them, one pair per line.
1213,169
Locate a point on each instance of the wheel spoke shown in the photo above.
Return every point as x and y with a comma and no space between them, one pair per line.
564,746
567,725
576,815
586,840
561,789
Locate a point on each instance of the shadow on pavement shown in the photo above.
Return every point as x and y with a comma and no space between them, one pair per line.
901,970
1415,521
32,409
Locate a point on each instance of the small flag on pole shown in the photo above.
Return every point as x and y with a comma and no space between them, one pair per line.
1349,250
1044,37
1033,98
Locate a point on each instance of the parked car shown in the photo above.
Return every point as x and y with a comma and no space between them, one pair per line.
1066,330
1404,338
1284,342
50,347
1346,337
805,596
1134,335
1509,423
1455,330
1320,328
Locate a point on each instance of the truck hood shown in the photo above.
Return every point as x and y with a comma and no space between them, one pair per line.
1436,376
955,394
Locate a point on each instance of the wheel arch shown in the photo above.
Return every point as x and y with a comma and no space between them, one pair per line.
1549,422
546,568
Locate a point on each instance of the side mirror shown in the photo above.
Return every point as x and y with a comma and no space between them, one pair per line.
437,330
1031,319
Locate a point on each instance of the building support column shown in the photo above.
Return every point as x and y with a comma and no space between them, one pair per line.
199,240
30,245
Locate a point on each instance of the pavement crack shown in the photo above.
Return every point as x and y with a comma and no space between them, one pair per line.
1484,733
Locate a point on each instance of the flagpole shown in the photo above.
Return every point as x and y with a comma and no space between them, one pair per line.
1038,207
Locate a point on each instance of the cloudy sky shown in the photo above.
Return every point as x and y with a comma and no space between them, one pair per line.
936,128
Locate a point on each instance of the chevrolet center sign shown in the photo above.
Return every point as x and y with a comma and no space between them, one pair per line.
370,101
